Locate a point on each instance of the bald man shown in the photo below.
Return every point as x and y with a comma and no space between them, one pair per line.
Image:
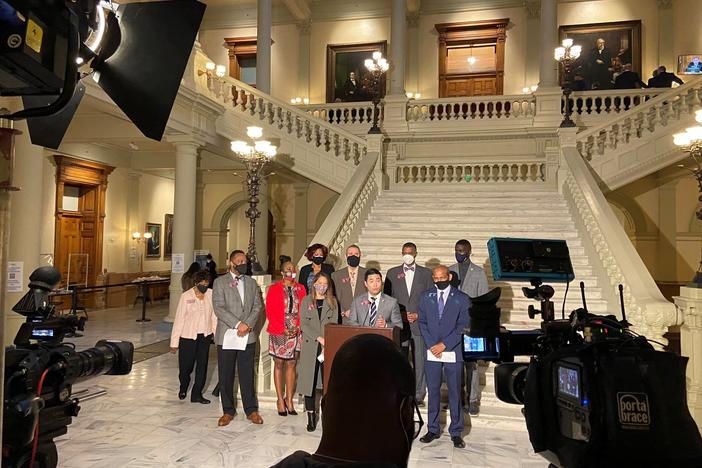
443,315
368,410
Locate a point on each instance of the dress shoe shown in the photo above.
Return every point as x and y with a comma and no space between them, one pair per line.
458,442
181,395
291,412
255,418
284,412
311,421
429,437
474,408
225,419
200,399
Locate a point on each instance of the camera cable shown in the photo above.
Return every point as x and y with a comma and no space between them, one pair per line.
35,443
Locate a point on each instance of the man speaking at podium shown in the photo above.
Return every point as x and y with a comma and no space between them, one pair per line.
375,309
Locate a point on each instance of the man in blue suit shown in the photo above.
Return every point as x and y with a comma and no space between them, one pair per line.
443,315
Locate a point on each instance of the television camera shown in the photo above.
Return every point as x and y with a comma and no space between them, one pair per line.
594,393
136,52
40,371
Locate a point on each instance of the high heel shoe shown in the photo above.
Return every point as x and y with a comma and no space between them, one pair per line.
291,412
285,410
311,421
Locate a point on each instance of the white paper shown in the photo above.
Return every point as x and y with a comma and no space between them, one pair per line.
234,341
14,276
320,358
446,356
178,263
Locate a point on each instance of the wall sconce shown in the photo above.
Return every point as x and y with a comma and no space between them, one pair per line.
530,89
413,95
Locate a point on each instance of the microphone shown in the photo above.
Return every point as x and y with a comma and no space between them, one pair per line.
621,303
582,294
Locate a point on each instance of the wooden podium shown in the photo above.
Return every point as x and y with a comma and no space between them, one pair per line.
336,335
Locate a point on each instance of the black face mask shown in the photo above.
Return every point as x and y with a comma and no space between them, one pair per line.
317,260
353,261
241,269
202,288
442,284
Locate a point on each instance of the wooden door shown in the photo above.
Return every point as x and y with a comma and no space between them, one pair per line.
79,225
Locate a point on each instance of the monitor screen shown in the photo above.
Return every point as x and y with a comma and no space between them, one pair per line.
471,343
690,64
569,382
42,332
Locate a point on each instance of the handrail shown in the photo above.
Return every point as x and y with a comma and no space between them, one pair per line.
295,121
632,123
350,210
605,238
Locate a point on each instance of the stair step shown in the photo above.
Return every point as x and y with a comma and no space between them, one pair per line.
433,230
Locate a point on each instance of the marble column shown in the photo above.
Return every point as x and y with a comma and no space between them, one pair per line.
263,46
549,41
668,233
303,71
26,213
533,49
548,96
413,59
300,226
199,205
689,303
183,211
398,38
666,55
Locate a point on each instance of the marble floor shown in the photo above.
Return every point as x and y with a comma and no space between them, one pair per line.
141,423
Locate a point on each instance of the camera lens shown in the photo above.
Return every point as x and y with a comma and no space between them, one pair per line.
107,357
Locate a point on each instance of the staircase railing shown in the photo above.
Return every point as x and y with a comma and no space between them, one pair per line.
636,124
594,106
604,238
345,220
478,108
287,118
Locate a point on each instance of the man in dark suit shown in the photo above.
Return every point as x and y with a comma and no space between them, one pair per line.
237,304
352,89
695,66
663,79
407,283
628,79
599,62
443,315
349,282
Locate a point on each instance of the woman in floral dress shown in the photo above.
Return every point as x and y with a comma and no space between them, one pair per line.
283,314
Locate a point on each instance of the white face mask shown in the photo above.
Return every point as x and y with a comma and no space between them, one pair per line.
408,259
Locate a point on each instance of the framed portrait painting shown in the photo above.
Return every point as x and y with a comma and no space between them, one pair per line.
168,237
348,80
153,244
608,49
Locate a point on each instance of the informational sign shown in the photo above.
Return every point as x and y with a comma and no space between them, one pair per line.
178,263
15,272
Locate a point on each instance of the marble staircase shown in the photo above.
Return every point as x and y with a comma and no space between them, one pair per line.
435,218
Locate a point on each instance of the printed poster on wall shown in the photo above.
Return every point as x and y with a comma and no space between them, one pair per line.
15,272
178,263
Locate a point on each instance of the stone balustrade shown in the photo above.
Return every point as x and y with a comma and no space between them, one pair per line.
471,108
354,116
474,172
593,107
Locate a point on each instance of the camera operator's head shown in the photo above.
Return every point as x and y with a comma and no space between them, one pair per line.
369,407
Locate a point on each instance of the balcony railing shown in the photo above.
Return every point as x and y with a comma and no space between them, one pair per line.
471,108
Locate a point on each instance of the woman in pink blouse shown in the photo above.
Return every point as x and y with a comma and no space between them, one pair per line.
193,331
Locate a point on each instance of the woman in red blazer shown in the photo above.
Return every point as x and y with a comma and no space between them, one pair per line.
283,314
